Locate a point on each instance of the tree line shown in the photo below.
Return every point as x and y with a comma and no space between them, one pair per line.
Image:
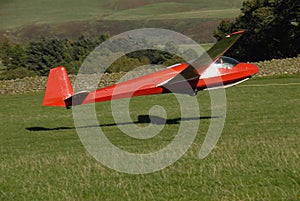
272,30
36,58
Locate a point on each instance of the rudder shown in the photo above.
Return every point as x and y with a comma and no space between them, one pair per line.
58,88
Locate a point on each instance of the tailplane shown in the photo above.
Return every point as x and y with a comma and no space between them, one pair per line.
58,88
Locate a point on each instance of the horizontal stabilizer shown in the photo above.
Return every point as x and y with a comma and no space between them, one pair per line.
76,99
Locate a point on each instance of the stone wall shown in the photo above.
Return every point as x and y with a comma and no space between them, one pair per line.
35,84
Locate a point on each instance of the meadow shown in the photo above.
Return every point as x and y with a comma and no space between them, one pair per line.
17,13
256,158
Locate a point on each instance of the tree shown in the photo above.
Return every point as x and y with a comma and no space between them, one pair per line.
37,57
45,54
272,30
11,54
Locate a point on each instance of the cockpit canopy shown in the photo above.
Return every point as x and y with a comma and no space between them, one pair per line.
225,62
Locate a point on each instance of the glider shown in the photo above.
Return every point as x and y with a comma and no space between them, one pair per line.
186,78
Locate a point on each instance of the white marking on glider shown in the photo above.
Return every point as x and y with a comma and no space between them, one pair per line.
226,86
164,82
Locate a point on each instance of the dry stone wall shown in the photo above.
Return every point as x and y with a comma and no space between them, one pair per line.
36,84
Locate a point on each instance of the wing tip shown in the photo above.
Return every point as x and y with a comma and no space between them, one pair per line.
236,33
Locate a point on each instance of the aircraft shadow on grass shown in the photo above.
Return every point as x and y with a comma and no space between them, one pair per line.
142,119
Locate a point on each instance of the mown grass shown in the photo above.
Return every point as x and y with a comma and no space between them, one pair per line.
257,157
19,13
159,13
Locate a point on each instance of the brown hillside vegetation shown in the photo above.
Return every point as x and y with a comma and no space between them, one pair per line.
199,30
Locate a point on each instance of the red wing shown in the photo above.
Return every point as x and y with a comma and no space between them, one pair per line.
145,85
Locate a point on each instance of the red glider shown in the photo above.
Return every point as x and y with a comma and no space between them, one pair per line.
180,78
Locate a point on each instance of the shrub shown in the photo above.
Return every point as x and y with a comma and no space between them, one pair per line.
17,73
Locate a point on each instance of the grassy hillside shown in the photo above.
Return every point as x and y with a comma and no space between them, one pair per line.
19,13
257,157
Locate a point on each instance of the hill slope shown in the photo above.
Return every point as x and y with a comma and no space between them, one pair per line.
18,13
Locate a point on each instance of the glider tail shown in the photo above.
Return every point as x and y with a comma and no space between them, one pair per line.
58,88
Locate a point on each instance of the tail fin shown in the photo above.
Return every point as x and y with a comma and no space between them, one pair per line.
58,88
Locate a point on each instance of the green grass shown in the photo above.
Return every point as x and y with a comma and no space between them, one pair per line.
19,13
165,12
257,157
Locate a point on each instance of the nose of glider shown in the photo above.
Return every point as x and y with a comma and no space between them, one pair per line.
252,69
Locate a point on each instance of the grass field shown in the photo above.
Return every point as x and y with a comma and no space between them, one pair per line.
257,157
158,13
19,13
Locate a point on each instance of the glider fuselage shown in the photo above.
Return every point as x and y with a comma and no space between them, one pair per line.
153,83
